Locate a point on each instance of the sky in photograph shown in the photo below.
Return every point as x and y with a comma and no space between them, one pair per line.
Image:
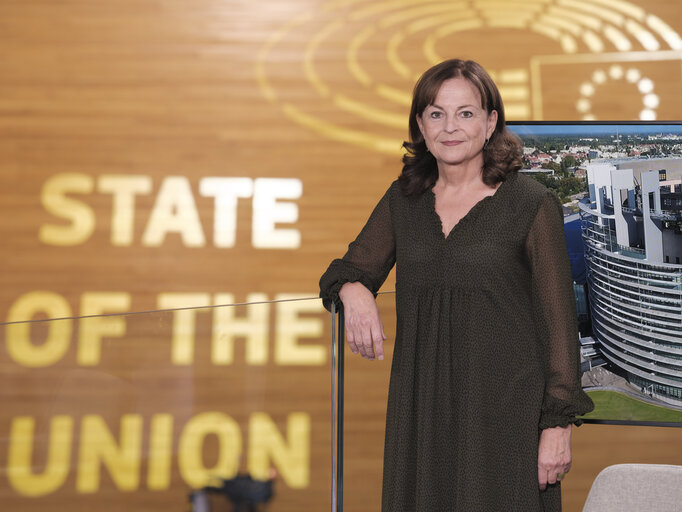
591,129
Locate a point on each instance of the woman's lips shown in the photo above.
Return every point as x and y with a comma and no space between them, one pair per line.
451,142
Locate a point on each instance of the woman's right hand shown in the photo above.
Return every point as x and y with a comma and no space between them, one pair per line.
364,330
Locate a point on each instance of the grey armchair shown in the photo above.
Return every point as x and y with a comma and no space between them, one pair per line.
636,488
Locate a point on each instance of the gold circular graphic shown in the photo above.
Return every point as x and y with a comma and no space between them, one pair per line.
346,69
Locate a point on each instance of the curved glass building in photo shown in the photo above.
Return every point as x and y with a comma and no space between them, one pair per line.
631,230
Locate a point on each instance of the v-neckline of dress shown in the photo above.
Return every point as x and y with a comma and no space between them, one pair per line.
468,216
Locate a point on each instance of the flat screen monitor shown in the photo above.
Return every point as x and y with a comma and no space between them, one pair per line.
620,184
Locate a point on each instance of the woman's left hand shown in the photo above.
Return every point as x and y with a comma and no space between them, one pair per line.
554,455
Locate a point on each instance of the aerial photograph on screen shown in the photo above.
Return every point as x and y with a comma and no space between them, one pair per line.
621,188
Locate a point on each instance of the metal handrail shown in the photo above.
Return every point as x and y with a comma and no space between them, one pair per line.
338,358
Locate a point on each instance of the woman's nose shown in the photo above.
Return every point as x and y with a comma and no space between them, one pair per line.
450,124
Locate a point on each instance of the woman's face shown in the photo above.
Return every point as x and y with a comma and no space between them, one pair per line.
455,126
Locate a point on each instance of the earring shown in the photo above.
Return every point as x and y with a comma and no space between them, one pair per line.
485,144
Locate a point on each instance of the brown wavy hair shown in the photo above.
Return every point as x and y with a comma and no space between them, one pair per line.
501,155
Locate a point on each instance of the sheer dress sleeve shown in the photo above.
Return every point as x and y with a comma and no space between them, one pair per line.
368,260
555,316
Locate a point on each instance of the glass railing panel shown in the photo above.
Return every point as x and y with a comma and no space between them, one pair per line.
133,412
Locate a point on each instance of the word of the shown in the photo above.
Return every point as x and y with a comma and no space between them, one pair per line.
248,323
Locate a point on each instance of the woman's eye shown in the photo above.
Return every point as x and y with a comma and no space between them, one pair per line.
466,113
436,115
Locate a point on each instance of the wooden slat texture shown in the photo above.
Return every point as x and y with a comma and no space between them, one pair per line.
170,92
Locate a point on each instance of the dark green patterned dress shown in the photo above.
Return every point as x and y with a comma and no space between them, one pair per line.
486,351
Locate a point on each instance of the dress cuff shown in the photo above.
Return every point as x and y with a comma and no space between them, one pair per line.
561,413
339,273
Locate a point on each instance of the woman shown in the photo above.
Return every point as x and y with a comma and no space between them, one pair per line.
485,384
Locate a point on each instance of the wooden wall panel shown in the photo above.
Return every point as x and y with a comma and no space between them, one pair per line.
169,93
